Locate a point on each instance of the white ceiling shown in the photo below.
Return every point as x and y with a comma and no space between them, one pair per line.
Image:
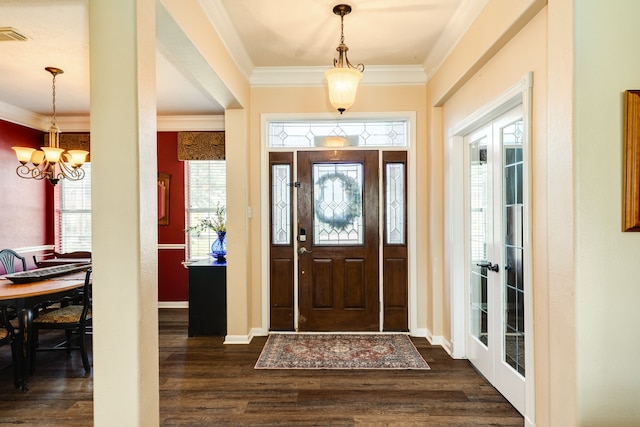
259,33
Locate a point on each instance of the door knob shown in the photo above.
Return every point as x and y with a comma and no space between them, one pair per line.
303,250
492,267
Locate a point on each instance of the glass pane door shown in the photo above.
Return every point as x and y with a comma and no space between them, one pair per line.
513,279
478,240
496,291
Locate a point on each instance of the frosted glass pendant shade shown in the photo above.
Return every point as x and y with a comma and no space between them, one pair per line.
23,154
343,84
78,157
52,154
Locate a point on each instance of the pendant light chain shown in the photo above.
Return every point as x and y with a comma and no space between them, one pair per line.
53,119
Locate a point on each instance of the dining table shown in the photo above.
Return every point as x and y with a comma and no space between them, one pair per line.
24,296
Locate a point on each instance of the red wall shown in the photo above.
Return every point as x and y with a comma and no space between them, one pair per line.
25,203
172,276
26,207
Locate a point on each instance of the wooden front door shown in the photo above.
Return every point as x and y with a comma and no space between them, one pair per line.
338,244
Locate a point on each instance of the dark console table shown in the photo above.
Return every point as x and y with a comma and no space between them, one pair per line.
207,298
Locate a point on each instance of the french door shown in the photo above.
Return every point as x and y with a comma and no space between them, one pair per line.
496,335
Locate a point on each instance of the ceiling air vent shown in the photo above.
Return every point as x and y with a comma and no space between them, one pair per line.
9,34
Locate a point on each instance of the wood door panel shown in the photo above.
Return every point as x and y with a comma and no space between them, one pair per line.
338,282
395,272
322,280
354,284
282,268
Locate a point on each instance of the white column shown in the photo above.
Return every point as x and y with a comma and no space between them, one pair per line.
124,206
238,253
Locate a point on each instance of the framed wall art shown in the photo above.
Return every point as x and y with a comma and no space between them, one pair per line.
163,198
631,162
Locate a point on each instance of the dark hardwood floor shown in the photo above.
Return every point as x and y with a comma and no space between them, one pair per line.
205,383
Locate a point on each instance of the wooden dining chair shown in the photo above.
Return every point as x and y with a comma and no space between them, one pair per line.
8,258
73,317
75,254
56,258
12,337
10,334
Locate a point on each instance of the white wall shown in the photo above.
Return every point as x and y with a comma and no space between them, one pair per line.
607,260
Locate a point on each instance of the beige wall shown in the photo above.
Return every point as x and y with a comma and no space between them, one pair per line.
607,260
315,100
489,61
585,270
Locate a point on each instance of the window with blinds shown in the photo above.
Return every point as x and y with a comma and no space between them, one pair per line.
206,189
73,214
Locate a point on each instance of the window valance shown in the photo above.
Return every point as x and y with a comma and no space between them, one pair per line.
201,145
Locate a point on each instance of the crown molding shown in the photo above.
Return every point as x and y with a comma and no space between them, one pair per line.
12,114
458,25
190,123
219,19
73,123
163,123
203,123
390,75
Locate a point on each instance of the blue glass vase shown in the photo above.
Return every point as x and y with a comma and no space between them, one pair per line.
219,246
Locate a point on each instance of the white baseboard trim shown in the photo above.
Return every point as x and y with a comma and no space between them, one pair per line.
237,339
245,339
173,304
441,341
528,422
419,332
259,332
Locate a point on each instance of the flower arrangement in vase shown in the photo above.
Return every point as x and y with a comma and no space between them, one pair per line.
217,224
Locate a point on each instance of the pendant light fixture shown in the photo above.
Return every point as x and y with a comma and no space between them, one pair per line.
343,78
51,162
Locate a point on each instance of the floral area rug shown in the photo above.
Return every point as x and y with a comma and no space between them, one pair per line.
340,351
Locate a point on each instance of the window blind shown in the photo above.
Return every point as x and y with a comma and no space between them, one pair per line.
73,214
207,185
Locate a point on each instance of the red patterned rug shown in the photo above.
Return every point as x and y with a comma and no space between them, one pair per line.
340,351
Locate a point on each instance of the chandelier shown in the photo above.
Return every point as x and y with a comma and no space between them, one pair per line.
343,78
51,162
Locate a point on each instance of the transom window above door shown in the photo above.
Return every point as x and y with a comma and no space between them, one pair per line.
338,133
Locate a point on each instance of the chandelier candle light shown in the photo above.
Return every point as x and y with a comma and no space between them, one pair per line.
343,78
51,162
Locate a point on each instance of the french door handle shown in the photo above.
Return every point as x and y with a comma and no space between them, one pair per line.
304,250
492,267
